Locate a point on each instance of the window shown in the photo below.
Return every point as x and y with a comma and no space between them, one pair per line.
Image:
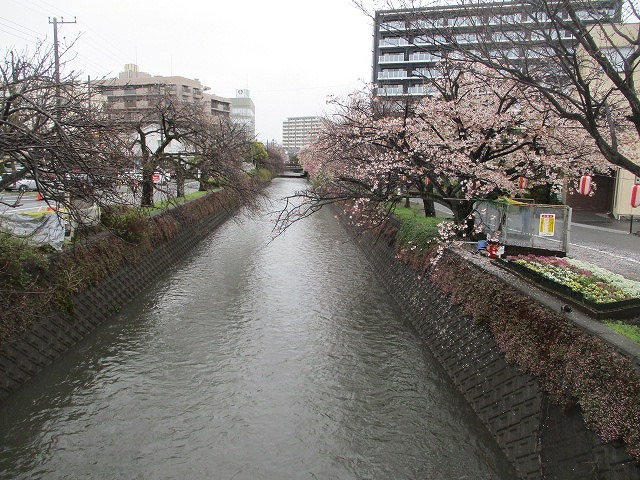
538,17
466,38
422,90
392,26
423,57
512,53
426,23
463,21
512,36
544,35
507,19
429,40
427,73
393,42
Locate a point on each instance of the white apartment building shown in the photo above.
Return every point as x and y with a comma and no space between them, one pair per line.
409,44
298,132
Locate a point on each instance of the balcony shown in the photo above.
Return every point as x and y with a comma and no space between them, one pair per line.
391,58
393,42
392,74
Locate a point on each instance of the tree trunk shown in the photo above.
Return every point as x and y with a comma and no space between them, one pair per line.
462,216
204,179
429,207
147,184
179,181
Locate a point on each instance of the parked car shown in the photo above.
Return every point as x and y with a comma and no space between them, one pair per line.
22,185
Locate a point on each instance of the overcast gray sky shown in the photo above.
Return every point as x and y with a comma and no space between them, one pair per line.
291,54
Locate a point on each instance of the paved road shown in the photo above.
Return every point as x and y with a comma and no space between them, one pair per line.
607,243
29,202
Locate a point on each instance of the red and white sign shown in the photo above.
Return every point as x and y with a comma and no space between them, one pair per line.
585,184
156,178
635,196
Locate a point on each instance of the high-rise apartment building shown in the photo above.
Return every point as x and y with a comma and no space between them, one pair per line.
409,44
137,92
298,132
243,111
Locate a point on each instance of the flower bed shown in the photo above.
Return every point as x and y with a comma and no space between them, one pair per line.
601,293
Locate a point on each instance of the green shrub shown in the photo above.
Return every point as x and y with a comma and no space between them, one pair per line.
128,223
21,264
417,232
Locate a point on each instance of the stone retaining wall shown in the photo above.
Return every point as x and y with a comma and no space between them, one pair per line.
24,355
541,440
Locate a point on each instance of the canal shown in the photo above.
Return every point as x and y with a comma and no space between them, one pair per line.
251,360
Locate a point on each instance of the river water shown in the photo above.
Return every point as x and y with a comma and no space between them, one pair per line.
251,360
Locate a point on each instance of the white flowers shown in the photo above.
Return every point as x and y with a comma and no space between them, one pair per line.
630,287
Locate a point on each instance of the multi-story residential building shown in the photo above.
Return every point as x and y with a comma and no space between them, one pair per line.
410,44
137,92
243,111
298,132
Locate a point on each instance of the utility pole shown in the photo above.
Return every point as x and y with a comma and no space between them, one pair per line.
56,57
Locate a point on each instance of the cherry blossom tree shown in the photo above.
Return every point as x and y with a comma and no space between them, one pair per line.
472,140
581,56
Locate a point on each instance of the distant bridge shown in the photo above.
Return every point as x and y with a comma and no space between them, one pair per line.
293,171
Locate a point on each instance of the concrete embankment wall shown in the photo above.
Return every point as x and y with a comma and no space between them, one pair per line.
25,354
541,440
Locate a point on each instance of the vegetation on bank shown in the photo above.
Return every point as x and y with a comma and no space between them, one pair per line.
632,332
416,232
576,369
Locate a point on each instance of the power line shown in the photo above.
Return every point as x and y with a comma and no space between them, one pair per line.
18,27
17,35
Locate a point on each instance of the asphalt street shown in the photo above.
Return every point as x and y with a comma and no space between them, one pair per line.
606,242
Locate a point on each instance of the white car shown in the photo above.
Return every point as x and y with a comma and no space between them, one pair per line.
22,185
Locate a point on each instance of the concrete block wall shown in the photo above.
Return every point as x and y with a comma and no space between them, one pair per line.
541,440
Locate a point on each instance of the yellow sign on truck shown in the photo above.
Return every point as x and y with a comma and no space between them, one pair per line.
547,224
